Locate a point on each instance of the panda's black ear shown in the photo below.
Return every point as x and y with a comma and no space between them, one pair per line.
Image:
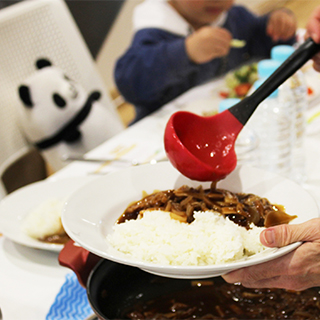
25,96
43,63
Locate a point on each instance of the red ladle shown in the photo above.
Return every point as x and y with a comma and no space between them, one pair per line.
202,148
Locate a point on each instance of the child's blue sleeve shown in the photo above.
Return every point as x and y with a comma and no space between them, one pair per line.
155,65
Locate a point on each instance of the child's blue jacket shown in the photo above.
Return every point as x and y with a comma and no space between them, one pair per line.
156,68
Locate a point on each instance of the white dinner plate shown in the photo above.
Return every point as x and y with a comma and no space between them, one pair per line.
92,210
16,206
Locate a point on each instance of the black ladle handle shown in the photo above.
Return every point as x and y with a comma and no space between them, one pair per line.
245,108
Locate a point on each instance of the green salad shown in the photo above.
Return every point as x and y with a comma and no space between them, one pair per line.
240,81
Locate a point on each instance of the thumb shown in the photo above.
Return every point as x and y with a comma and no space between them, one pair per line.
282,235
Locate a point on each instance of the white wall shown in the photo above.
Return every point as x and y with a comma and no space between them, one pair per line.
117,42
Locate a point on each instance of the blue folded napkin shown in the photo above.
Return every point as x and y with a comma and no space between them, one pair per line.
71,303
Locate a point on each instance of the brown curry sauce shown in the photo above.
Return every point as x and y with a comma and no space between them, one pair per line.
241,208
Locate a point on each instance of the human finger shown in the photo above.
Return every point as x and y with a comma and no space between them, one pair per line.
220,40
282,235
280,27
271,30
276,25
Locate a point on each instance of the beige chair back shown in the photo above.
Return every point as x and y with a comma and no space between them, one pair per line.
22,168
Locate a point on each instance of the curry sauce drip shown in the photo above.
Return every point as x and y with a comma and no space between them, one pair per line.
241,208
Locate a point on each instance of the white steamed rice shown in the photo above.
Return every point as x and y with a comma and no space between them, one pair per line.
210,239
44,220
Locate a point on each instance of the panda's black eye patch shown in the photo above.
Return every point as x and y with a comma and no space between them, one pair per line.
59,101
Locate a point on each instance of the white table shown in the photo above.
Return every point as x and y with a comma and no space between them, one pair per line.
29,281
30,278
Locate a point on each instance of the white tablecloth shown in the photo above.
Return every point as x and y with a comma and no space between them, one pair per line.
30,278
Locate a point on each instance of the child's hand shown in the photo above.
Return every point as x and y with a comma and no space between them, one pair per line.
282,25
208,43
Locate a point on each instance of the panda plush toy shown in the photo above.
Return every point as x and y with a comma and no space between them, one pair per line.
59,117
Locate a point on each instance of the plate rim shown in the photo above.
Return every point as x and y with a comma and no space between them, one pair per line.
147,266
20,237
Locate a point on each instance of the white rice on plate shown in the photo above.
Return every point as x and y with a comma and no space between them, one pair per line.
210,239
44,220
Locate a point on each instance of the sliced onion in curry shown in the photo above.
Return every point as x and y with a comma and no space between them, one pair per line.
241,208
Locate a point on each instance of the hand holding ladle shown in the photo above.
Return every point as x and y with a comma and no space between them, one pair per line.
202,148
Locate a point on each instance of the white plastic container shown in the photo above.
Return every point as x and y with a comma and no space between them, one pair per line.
297,86
272,121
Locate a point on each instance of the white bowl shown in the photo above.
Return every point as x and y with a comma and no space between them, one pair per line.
92,210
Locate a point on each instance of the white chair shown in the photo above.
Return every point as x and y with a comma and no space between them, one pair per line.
41,28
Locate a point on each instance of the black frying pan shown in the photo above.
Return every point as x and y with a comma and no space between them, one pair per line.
114,291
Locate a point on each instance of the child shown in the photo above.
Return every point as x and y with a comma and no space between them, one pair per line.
179,44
